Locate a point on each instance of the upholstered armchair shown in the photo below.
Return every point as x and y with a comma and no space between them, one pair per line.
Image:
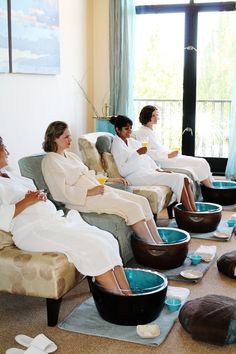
95,151
30,166
41,274
49,274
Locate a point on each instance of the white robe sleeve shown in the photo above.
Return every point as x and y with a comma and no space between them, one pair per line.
126,158
156,150
7,212
55,177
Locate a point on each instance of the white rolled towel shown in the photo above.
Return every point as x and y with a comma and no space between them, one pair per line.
207,252
178,292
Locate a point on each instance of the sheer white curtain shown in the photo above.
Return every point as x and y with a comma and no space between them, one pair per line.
121,40
231,164
230,171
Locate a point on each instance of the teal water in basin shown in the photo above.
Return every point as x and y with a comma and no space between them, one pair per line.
170,235
224,184
142,281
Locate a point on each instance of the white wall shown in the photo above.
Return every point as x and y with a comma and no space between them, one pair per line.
28,103
101,54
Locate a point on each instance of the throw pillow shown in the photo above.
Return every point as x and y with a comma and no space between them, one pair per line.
103,143
110,165
90,155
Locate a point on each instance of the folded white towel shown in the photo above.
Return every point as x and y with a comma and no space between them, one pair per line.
207,252
177,292
148,330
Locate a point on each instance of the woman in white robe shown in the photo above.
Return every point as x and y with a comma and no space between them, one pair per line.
138,168
71,183
37,226
199,167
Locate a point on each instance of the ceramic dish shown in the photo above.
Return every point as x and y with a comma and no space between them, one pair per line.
231,222
173,304
195,259
219,234
191,274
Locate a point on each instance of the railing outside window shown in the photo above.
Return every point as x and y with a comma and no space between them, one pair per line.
212,130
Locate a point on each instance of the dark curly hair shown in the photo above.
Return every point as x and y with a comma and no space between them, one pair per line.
146,114
120,121
54,131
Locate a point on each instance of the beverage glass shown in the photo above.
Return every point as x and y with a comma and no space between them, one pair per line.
144,141
101,177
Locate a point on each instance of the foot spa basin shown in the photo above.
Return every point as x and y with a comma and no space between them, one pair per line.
205,219
222,192
171,254
143,306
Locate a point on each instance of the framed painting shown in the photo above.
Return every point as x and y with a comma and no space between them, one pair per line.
35,36
4,42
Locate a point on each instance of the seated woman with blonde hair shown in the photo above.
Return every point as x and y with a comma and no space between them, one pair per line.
37,226
71,183
148,117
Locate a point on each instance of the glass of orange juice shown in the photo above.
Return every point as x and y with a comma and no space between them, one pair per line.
144,141
101,177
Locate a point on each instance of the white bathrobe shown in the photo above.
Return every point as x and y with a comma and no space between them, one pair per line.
41,228
141,169
69,179
199,167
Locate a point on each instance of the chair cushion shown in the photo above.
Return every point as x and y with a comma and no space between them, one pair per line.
109,165
5,239
89,154
226,264
158,196
103,143
43,274
211,319
30,167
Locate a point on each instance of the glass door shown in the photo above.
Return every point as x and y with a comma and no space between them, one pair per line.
159,71
185,61
216,54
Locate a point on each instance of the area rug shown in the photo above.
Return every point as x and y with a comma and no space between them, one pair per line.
174,274
86,320
222,227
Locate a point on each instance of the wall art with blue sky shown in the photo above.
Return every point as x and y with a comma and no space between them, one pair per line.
33,28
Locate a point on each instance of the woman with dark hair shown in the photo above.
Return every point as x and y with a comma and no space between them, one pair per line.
199,167
37,226
139,169
71,183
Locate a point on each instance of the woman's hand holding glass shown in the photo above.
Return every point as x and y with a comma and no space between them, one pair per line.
173,154
142,150
101,177
144,141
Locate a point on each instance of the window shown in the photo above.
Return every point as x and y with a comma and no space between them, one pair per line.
185,61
